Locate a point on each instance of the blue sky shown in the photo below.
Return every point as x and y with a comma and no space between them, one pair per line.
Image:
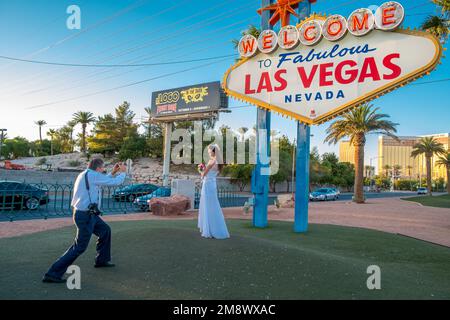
145,31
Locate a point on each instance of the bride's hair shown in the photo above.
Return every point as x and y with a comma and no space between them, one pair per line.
218,154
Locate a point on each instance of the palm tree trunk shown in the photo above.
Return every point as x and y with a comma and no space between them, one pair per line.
83,143
40,140
448,180
359,169
51,146
429,186
71,141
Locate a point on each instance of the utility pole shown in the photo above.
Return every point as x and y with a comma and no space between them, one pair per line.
2,135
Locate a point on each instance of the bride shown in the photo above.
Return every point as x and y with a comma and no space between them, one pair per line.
211,221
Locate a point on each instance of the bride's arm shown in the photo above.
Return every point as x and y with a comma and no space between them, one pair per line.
208,167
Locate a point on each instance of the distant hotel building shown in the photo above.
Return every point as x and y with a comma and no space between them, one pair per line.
393,152
346,152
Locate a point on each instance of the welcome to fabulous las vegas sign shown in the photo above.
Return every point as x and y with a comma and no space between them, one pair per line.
325,66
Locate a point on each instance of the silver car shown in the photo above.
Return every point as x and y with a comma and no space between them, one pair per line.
324,194
422,190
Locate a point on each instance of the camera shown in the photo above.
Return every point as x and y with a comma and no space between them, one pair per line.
94,210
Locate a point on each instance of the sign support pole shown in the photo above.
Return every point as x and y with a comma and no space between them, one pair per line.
303,151
260,177
167,148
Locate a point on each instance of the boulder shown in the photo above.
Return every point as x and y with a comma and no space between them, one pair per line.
286,201
174,205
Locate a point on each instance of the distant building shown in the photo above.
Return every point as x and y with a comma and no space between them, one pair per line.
346,152
393,152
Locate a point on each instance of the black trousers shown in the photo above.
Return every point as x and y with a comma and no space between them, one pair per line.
87,224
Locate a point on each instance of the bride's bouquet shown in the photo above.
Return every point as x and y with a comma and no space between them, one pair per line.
201,167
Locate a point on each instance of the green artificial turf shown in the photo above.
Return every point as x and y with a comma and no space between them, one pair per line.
434,201
169,260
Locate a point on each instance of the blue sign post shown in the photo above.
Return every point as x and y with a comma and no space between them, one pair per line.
302,161
260,177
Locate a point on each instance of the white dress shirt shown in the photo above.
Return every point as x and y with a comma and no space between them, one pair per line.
80,199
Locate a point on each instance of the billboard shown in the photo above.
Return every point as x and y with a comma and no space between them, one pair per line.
323,67
200,98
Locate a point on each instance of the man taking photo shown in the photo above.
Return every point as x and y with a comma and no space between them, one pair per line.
86,215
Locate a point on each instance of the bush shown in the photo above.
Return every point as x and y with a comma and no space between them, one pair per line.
74,163
406,185
133,147
240,174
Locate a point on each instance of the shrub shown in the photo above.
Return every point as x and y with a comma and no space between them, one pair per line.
74,163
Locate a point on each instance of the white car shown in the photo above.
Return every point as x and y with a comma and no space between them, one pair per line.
422,190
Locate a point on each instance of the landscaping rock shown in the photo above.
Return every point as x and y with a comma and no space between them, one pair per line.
174,205
286,201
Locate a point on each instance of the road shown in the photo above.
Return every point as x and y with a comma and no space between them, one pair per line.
60,207
376,195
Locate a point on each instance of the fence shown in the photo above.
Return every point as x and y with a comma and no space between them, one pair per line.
22,201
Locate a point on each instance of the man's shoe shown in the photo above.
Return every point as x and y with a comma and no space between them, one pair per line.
104,265
50,279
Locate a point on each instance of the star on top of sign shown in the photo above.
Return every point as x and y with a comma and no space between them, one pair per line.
283,10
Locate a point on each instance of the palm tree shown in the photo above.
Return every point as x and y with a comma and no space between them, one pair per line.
40,123
71,125
445,6
428,146
252,30
387,168
355,125
83,118
52,134
397,170
148,110
243,131
409,167
444,160
367,170
439,25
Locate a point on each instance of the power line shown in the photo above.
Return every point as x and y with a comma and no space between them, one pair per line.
79,48
112,65
431,81
124,86
133,6
135,83
161,40
85,83
152,32
94,75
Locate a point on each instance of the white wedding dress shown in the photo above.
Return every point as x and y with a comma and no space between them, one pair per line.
211,221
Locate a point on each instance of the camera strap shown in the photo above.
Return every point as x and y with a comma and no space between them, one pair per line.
87,185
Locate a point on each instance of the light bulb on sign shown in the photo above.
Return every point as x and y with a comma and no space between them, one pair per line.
389,16
267,41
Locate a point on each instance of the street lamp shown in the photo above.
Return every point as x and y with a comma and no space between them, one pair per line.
1,140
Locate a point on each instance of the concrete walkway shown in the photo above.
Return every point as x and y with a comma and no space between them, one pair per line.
388,214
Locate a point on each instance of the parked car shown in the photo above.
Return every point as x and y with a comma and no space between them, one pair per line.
142,202
336,191
324,194
21,196
131,192
422,190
